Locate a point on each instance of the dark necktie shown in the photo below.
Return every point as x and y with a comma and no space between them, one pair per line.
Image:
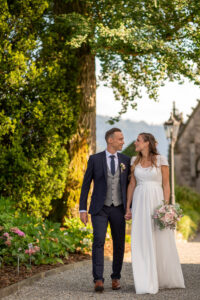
112,164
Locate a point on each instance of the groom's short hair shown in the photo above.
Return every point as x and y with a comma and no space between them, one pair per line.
110,133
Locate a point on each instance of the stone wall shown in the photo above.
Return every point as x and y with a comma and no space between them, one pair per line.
187,152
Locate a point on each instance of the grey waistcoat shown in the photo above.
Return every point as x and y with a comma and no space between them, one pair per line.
114,195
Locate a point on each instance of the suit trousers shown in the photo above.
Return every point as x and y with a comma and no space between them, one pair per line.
115,216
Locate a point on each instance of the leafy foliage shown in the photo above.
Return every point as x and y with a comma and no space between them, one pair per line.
43,49
130,150
82,235
189,201
53,243
140,44
38,112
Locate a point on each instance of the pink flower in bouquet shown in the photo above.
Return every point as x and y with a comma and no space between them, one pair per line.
163,219
162,209
169,216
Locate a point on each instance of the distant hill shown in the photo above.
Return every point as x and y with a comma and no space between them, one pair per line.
130,130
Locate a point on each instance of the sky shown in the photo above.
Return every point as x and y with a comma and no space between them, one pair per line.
185,97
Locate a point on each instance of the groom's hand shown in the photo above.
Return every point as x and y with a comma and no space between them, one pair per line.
84,217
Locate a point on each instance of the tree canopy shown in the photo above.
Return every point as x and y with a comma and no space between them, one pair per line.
140,43
47,82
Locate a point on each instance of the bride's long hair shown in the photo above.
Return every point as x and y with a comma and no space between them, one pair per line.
153,152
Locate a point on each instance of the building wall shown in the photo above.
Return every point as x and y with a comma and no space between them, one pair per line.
187,153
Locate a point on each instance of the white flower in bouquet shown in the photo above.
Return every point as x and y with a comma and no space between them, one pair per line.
167,215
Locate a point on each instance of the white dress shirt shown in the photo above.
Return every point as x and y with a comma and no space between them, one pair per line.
108,160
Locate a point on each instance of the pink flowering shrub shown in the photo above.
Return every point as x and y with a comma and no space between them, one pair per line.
6,234
6,238
17,231
33,250
8,243
30,240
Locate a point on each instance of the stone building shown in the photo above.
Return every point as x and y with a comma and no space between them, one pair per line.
187,152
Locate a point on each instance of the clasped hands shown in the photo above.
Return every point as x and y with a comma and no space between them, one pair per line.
128,214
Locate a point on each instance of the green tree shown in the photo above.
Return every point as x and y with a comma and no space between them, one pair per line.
39,106
48,51
130,150
140,44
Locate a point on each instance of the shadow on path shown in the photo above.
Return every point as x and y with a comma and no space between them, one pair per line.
75,284
192,281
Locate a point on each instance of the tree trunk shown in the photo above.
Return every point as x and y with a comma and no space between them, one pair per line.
83,143
87,119
87,80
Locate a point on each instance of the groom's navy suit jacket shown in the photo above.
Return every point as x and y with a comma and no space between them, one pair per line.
97,172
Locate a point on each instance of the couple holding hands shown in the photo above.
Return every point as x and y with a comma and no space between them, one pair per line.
125,189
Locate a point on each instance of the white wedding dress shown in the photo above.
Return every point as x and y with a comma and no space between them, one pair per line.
155,259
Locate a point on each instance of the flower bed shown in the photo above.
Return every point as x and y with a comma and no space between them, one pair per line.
9,274
26,240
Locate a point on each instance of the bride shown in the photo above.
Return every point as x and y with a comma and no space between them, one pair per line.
155,259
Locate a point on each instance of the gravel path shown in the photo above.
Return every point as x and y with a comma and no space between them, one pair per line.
77,284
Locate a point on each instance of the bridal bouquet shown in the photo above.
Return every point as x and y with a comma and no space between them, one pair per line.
167,215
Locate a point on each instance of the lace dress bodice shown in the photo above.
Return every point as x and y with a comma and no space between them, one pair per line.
150,174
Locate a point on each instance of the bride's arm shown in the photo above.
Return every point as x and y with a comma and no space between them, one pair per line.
165,183
130,191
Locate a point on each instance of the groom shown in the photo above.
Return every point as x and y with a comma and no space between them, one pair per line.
109,172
